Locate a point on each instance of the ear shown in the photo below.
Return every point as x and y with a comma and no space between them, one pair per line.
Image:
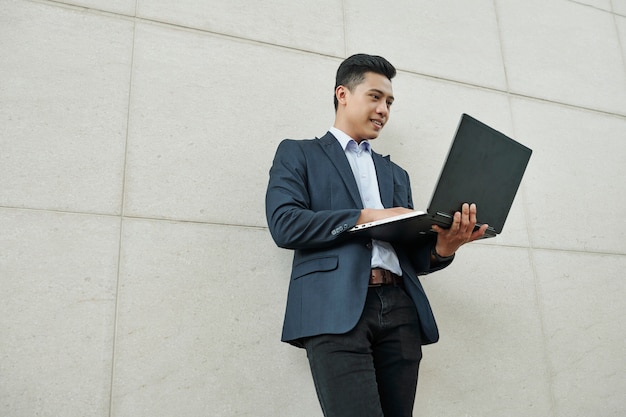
341,92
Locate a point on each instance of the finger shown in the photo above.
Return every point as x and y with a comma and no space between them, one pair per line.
465,219
472,213
456,222
472,218
479,232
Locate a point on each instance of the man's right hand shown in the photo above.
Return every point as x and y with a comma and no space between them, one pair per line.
371,215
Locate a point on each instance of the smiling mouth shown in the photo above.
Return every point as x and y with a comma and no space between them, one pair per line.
377,123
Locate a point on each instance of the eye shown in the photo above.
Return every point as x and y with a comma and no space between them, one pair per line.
389,103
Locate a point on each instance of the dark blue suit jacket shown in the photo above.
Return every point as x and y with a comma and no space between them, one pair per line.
312,201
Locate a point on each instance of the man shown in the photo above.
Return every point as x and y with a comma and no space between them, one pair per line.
354,304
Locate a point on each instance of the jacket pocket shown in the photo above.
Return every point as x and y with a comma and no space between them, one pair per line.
314,265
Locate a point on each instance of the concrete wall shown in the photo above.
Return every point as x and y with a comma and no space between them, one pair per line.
137,275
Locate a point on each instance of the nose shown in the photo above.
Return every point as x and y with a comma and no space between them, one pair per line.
383,108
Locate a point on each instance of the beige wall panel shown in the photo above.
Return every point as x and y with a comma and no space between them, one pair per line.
490,360
620,22
200,316
307,25
574,183
456,40
58,275
600,4
64,107
207,114
563,51
125,7
584,313
619,7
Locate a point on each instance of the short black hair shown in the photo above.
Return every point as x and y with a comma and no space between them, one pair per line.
352,70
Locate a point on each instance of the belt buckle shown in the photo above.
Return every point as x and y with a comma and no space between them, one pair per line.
377,273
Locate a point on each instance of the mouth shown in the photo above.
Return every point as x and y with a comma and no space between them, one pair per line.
377,123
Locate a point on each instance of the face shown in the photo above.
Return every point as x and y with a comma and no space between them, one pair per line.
364,111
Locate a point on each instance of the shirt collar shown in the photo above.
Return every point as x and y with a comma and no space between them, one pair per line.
345,140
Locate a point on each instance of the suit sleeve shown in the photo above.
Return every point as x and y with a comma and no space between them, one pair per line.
292,222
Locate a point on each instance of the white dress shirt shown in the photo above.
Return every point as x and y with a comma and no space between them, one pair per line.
360,159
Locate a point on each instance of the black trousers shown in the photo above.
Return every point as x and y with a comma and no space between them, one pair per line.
372,370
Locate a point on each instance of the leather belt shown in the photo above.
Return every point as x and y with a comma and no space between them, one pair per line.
380,277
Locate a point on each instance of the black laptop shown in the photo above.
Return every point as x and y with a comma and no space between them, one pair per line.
483,166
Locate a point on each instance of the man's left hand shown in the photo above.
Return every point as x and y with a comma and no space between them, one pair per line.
460,232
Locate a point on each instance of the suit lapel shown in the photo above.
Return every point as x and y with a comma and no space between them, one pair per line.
385,178
331,146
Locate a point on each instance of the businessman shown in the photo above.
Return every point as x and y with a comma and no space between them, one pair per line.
355,304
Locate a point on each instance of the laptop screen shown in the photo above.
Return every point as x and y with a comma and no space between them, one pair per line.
484,167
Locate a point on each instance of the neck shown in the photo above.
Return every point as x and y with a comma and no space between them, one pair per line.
347,131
